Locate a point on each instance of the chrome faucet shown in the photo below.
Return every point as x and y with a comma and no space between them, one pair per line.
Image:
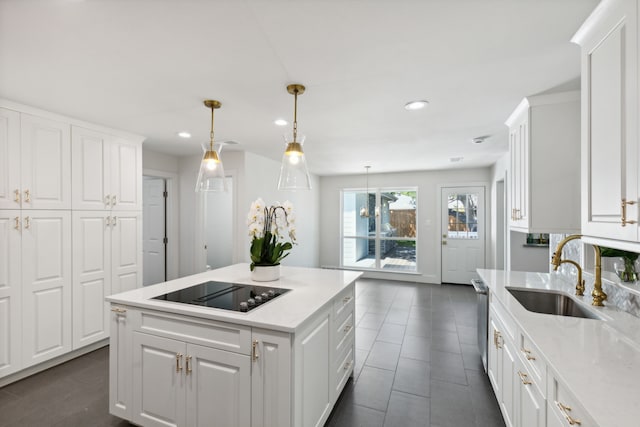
597,293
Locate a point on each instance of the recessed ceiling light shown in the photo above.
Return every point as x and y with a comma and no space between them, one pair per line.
455,159
184,134
479,139
416,105
280,122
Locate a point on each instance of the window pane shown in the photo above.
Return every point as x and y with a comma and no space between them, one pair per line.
358,252
463,216
398,214
398,254
355,222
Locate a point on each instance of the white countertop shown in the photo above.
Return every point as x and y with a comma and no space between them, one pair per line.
311,290
598,360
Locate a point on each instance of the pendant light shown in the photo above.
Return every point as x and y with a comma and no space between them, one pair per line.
293,172
211,175
364,210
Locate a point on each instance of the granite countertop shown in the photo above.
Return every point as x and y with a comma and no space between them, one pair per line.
311,290
598,360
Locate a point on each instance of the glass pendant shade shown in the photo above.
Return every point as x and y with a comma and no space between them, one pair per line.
294,174
211,176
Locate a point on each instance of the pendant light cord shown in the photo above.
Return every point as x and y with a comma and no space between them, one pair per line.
295,115
211,133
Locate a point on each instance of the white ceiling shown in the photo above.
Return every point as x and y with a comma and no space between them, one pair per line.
146,66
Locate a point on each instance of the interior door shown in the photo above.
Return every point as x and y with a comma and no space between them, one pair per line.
153,231
463,233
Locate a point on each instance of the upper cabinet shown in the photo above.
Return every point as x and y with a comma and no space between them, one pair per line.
609,42
35,162
544,147
108,171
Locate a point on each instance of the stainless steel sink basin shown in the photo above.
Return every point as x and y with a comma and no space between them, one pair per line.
550,302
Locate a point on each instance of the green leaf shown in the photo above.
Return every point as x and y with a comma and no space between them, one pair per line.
612,252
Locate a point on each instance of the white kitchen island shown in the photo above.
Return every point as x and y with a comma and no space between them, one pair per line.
282,364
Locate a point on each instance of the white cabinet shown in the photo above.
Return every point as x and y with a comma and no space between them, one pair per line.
106,250
178,383
544,144
108,171
10,291
120,364
36,162
562,407
530,401
46,284
609,42
501,367
271,379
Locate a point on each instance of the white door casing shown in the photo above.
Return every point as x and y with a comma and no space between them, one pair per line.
463,233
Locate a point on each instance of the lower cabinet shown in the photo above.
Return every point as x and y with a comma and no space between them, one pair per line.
563,409
173,370
178,383
530,400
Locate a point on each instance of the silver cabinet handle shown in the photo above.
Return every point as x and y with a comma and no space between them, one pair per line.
178,362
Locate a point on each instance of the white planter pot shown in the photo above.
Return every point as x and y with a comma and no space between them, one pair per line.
264,273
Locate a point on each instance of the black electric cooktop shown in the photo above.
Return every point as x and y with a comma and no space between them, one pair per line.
224,295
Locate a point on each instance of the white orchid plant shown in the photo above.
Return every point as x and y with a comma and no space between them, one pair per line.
273,232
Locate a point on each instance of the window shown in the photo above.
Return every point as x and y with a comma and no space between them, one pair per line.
385,239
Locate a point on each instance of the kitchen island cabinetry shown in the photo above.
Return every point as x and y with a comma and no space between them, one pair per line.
281,364
609,42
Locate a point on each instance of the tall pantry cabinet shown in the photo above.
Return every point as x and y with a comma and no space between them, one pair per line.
55,267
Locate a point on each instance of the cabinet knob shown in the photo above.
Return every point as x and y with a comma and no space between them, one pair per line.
347,329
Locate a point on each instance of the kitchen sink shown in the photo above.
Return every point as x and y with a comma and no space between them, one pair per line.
550,302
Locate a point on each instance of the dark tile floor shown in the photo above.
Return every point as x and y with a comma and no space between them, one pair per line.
417,362
416,365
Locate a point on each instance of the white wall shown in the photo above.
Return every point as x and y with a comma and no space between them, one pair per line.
159,161
527,258
498,173
428,227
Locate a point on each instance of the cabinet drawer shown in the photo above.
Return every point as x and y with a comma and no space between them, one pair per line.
342,302
562,405
508,324
344,334
343,370
533,362
224,336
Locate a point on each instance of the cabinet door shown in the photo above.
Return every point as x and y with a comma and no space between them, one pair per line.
126,175
46,282
218,387
531,404
519,155
494,357
312,371
91,276
9,159
90,169
510,384
45,163
10,298
158,381
120,364
271,379
126,251
609,122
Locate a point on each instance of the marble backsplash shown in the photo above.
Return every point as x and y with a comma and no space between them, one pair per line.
625,296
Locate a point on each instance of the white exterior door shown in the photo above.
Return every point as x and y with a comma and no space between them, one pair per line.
9,159
218,387
45,163
463,233
91,276
153,232
46,282
10,298
126,253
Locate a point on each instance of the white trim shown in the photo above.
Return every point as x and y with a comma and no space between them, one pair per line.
172,220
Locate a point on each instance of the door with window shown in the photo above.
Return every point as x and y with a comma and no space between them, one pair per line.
379,229
463,233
